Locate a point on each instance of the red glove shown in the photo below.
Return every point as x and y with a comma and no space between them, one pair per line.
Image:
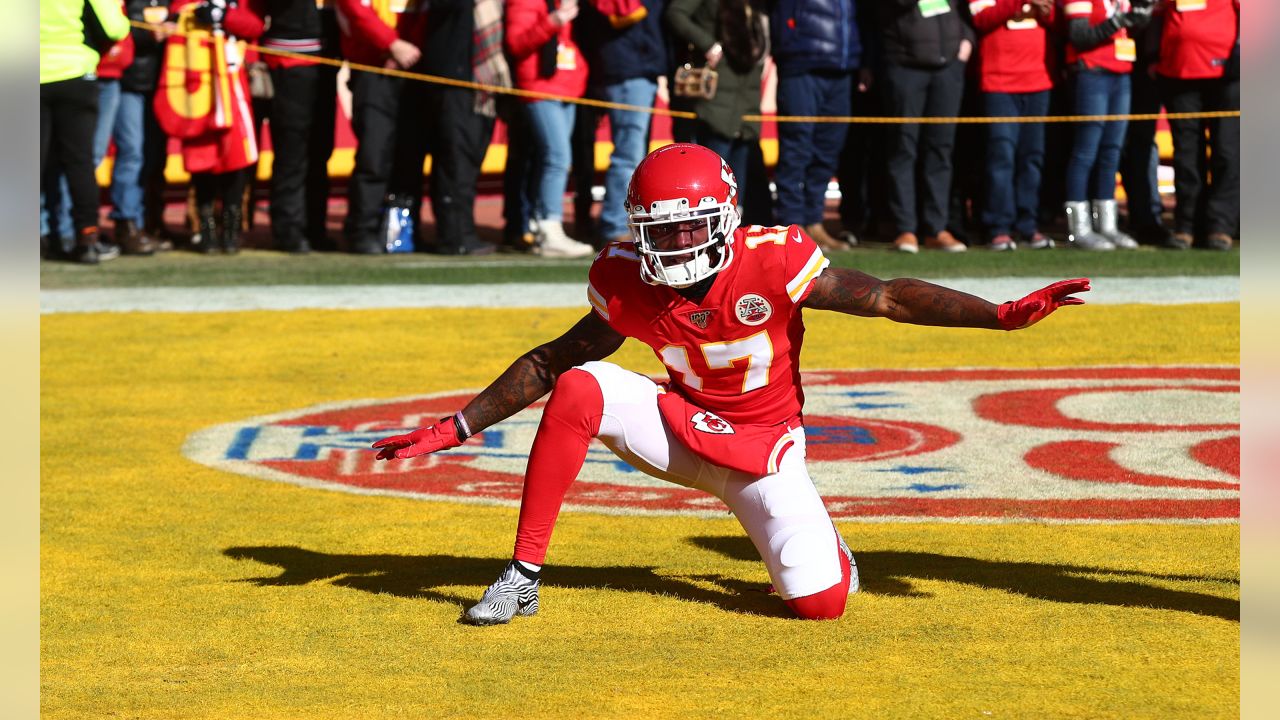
1018,314
441,436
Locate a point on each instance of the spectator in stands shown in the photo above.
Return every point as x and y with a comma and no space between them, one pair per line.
540,41
110,67
297,112
1015,71
730,37
219,159
1100,56
629,56
462,41
1140,159
375,34
818,50
69,54
1200,71
926,45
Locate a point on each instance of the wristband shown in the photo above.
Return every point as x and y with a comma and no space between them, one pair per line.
460,423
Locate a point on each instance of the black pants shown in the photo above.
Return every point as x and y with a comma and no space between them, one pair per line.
299,172
68,116
583,142
226,187
1205,204
459,139
375,103
517,177
861,171
921,92
1139,159
320,145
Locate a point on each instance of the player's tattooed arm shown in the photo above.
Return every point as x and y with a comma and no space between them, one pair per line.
905,300
533,374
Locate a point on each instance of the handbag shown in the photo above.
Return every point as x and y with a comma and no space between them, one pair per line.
695,82
260,85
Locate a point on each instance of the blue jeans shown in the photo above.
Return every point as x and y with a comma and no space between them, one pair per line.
1095,151
126,172
808,152
552,123
1015,158
630,133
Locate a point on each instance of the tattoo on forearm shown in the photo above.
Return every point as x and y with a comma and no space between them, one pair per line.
923,303
534,374
903,300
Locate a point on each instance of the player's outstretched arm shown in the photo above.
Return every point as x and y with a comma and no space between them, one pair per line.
918,302
530,377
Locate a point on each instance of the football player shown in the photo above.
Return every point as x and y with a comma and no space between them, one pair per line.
720,305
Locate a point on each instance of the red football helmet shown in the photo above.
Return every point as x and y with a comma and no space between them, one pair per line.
683,184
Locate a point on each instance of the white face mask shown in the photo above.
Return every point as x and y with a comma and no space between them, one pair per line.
703,260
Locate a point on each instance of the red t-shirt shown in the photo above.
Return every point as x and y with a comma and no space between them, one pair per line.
737,352
1013,51
1198,38
1111,54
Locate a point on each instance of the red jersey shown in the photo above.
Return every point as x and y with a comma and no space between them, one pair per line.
1197,38
737,352
1115,54
1013,50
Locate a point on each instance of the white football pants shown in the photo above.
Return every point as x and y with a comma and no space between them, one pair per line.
782,513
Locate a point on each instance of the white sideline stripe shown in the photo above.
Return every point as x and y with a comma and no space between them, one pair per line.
1106,291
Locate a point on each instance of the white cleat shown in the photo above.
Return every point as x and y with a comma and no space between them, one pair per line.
514,593
854,584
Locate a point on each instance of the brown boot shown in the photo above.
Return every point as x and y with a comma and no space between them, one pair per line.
823,238
945,242
131,241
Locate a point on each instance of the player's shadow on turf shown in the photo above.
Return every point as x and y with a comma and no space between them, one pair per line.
421,576
887,572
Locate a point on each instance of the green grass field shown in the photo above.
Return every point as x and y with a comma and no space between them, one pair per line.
270,268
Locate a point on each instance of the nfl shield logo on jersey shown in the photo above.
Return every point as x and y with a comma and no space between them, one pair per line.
753,309
711,423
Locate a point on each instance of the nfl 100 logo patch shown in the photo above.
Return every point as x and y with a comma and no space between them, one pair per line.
1100,444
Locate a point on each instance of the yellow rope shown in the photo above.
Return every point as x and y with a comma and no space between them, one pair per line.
848,119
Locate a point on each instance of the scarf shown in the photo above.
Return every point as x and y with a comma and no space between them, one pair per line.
488,64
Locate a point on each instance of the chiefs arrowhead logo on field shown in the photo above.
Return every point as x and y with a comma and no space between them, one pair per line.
753,309
700,318
711,423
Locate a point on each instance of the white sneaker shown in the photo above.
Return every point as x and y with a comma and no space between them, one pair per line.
552,242
514,593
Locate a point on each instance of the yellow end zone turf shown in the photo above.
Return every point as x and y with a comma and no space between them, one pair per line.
172,590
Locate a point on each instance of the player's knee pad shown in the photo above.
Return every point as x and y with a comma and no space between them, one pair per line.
576,402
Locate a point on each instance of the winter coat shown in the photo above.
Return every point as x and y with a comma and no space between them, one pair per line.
697,24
